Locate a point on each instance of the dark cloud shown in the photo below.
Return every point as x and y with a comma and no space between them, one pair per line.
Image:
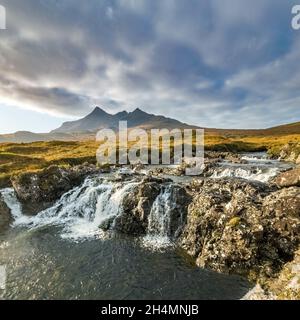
220,63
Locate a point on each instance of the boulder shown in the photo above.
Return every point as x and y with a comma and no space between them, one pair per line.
281,219
237,226
289,178
137,207
49,184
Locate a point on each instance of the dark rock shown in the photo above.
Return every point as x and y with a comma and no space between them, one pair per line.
236,226
49,184
137,206
281,217
5,216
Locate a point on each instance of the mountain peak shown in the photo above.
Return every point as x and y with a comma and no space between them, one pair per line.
97,110
138,110
100,119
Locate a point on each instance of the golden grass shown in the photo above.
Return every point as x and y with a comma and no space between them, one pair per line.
16,158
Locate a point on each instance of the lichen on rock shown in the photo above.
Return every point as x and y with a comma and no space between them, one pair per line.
237,226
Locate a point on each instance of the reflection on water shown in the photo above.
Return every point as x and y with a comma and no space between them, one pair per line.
42,265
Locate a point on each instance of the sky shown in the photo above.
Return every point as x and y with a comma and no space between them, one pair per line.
212,63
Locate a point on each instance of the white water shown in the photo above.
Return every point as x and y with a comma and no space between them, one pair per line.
257,157
257,174
159,231
81,211
257,168
84,209
12,202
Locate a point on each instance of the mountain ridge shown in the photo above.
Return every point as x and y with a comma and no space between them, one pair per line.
100,119
86,127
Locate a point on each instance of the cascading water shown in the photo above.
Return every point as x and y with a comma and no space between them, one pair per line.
159,231
86,210
81,211
12,202
257,168
256,174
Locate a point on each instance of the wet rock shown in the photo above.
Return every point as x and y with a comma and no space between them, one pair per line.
137,207
288,179
180,170
285,286
5,217
236,226
49,184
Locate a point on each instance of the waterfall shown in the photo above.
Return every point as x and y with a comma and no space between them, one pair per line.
81,211
12,202
159,219
159,231
86,211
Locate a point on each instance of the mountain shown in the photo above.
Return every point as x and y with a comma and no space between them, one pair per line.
93,121
86,128
99,119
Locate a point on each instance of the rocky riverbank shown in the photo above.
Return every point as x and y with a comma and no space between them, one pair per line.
289,152
241,227
230,225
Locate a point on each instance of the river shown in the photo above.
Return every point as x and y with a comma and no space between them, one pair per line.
62,254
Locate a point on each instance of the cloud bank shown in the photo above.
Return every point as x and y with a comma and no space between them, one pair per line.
217,63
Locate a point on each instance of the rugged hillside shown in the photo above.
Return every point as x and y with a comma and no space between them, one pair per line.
292,128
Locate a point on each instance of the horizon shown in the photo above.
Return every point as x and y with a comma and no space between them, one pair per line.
228,64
